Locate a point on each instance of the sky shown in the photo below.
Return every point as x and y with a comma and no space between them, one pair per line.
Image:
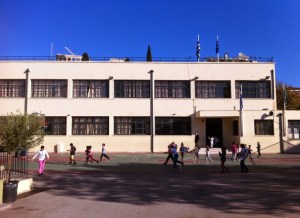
125,28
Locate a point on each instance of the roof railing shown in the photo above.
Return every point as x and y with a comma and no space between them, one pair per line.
141,59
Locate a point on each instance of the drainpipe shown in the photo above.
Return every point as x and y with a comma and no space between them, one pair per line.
151,111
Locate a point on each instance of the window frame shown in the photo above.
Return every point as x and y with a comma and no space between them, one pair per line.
94,125
173,125
172,89
49,88
212,89
90,88
293,126
132,88
58,125
131,125
261,127
12,88
253,89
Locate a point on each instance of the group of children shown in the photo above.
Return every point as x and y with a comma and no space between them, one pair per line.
88,153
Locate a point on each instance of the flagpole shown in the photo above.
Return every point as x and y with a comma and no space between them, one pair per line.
284,108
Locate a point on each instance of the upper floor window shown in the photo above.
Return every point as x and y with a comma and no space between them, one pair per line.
213,89
90,89
132,125
172,89
55,125
253,89
264,127
12,88
90,126
172,125
132,89
49,88
293,129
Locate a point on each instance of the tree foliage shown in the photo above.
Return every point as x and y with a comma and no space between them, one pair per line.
292,98
20,132
85,57
149,54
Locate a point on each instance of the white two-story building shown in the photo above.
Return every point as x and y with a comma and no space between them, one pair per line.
143,106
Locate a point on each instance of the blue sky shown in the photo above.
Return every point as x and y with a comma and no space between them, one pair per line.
124,28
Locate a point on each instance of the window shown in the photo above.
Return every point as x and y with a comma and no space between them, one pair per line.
55,125
253,89
172,89
264,127
132,126
90,126
90,89
12,88
212,89
49,88
235,127
173,126
293,129
132,89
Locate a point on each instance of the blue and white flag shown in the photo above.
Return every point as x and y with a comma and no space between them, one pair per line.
217,45
198,49
241,97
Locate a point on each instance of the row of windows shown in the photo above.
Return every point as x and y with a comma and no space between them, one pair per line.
122,125
141,126
135,89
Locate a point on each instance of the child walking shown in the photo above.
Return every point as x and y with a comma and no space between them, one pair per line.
103,152
42,154
183,150
207,155
223,160
89,155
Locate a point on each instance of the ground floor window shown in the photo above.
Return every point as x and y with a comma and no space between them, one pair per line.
90,126
132,125
55,125
172,126
264,127
293,129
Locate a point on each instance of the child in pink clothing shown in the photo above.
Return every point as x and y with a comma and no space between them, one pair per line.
42,154
89,155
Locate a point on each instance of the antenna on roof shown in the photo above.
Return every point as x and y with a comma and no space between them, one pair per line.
51,50
69,51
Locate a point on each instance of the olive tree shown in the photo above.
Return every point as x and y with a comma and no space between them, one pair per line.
19,132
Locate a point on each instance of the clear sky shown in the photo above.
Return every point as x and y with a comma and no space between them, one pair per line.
124,28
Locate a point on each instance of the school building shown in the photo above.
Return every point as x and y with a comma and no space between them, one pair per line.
135,106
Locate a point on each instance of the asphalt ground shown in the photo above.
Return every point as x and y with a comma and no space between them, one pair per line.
139,185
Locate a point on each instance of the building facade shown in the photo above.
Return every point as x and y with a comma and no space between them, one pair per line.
143,106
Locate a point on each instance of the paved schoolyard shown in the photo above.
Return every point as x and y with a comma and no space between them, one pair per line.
139,185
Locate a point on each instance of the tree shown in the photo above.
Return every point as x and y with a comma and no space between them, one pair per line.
149,54
19,132
292,98
85,57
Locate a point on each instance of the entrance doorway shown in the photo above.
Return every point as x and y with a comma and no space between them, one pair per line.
214,128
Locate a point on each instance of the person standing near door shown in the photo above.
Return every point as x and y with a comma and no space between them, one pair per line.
196,139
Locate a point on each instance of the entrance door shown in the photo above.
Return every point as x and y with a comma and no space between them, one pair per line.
214,128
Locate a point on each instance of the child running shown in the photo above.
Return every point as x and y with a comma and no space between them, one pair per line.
89,155
103,152
42,154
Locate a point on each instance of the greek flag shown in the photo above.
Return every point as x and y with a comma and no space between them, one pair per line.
217,45
241,97
198,49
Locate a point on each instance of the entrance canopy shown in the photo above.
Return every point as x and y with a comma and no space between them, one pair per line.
202,114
